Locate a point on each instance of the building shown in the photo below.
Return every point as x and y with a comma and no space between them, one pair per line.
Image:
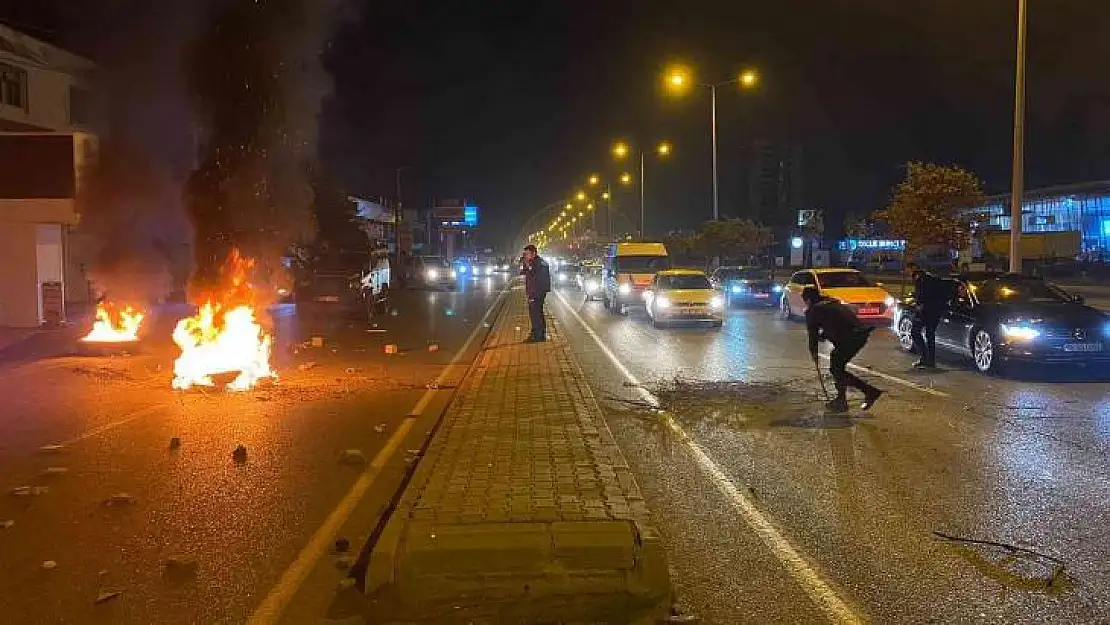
775,184
47,137
1083,208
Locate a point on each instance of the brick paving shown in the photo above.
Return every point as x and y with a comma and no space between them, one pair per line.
524,441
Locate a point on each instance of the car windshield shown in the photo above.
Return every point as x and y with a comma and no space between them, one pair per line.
683,282
641,264
841,279
1009,290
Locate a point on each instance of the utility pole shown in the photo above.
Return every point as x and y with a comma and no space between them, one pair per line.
1018,183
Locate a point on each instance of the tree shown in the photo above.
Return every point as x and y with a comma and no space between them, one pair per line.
933,206
734,238
859,226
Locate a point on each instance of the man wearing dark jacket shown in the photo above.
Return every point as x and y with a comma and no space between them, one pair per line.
537,284
829,320
931,296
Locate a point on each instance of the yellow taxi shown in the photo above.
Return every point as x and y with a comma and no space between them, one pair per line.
683,295
869,301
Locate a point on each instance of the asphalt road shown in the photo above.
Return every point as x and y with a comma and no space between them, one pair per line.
774,512
194,536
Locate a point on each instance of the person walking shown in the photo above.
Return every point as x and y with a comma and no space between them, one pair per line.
931,296
537,284
829,320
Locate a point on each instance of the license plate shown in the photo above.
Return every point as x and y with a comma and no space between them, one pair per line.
868,311
1083,347
762,295
328,298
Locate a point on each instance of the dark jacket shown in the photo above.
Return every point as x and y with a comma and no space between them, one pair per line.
832,321
932,294
537,277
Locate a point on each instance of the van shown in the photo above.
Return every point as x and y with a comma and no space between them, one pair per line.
630,269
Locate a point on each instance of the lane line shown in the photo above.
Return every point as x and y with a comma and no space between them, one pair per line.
805,573
894,378
128,418
271,609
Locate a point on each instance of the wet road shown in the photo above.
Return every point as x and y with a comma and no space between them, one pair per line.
193,536
776,513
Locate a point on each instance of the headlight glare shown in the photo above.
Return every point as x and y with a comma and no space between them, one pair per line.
662,302
715,302
736,288
591,285
777,288
625,288
890,301
1020,332
431,274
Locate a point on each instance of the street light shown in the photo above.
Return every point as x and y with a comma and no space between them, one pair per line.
677,81
594,180
620,149
605,195
1018,180
581,197
626,178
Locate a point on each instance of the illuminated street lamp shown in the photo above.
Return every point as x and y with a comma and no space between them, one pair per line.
626,178
594,180
605,195
581,195
620,149
678,79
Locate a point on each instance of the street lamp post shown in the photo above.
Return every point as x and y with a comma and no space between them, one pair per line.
1018,183
620,150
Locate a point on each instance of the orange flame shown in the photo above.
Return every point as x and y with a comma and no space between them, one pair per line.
224,336
114,326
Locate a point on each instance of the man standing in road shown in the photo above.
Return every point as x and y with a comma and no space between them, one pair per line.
537,284
829,320
931,296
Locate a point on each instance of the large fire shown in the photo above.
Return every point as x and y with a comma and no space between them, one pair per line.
114,325
224,336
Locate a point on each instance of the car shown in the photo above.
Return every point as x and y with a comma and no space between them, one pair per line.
567,275
746,286
589,281
502,265
869,301
683,295
1002,318
630,269
434,272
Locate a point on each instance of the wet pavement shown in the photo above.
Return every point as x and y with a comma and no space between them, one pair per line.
143,515
774,512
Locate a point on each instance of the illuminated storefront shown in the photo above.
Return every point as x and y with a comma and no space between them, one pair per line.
1082,207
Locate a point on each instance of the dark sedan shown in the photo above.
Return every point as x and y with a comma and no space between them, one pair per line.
1003,318
746,286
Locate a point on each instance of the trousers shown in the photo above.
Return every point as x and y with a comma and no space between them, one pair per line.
535,314
841,355
924,333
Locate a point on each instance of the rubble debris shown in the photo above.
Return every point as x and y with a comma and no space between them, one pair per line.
343,562
20,491
346,583
55,471
352,457
433,385
175,442
181,565
433,347
39,490
380,428
50,449
317,341
391,349
107,595
305,366
394,313
120,499
49,565
7,524
240,454
342,545
350,370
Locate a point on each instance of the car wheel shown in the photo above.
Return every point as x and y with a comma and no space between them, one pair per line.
784,309
984,351
718,324
905,334
656,322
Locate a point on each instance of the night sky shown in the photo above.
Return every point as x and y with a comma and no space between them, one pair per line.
511,104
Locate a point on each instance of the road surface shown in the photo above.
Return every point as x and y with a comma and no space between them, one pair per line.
776,513
187,534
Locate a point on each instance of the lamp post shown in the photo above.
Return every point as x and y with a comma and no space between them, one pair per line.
1018,182
620,151
678,79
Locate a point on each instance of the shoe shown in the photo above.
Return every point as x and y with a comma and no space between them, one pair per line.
921,364
838,405
870,398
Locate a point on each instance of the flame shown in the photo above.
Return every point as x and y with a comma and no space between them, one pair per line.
224,336
114,326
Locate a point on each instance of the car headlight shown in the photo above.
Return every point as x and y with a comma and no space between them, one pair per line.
777,288
462,269
890,301
562,277
662,302
715,302
625,288
454,274
591,285
1020,332
737,288
489,271
431,274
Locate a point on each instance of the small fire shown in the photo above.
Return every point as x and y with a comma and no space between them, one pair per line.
114,325
224,337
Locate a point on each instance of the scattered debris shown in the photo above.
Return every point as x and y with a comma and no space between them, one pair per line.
485,324
432,385
181,565
49,565
240,454
394,313
305,366
352,457
413,452
380,428
107,595
50,449
343,562
120,499
7,524
375,331
351,370
21,491
346,583
55,471
342,545
433,347
317,341
391,349
1019,566
175,442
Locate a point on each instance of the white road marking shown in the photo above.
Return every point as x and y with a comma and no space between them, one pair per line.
893,378
128,418
805,573
273,606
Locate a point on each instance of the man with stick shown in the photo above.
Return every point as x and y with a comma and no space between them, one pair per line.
829,320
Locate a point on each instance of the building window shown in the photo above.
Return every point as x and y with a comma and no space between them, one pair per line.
13,86
80,106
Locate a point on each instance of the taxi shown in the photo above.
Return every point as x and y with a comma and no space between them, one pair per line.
868,300
683,295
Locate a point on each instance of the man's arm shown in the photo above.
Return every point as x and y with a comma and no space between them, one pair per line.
813,326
